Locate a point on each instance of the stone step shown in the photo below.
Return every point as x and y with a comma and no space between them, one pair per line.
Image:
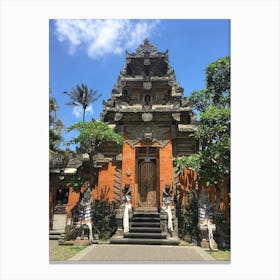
146,219
60,209
145,241
55,232
145,224
145,229
54,237
144,235
146,209
145,214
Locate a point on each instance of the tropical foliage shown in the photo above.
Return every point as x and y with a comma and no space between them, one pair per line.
83,97
212,162
55,126
188,219
91,136
104,223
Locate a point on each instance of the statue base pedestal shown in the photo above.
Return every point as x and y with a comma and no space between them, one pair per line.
81,242
205,245
203,229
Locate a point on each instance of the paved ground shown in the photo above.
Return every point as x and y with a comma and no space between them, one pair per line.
104,253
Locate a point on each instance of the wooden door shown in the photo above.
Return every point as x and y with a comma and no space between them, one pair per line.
147,180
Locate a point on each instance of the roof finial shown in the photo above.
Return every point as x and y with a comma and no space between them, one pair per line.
146,47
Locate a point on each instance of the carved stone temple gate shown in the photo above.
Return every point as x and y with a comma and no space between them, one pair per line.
148,107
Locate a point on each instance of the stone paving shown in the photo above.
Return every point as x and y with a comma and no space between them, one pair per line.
104,253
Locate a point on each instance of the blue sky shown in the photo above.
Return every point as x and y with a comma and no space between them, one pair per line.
93,52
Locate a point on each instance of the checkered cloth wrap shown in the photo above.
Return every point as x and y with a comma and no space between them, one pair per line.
88,214
81,214
201,214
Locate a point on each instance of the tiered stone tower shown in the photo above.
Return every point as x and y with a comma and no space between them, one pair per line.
148,107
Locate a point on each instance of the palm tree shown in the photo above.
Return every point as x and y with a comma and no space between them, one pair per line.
82,96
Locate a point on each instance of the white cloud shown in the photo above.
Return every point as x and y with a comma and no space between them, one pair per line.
101,37
78,111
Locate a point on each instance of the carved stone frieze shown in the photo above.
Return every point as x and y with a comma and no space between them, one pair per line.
147,133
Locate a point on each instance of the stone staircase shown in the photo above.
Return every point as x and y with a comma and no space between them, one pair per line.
59,222
56,234
60,209
145,229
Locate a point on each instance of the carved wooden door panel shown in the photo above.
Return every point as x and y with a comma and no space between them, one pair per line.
147,194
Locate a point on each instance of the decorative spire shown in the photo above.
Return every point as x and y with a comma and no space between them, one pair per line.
146,47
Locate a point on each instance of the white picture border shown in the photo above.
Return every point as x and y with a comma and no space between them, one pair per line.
24,137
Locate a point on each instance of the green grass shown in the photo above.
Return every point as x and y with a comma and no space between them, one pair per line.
185,243
220,255
63,252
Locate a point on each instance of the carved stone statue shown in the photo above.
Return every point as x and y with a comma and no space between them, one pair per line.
205,221
126,193
82,215
167,195
167,205
127,206
203,207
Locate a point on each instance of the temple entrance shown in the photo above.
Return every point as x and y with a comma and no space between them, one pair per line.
147,177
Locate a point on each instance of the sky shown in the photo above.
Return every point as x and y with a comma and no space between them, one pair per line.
93,52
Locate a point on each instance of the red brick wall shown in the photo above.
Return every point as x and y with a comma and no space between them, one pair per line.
128,169
73,198
105,184
165,167
187,182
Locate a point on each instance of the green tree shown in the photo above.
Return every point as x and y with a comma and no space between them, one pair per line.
91,136
55,126
81,96
188,218
212,162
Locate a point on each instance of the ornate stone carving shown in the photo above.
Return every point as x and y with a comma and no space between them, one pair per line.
82,214
117,184
146,47
119,157
205,225
147,85
185,102
140,132
148,136
147,117
176,116
128,172
147,61
118,116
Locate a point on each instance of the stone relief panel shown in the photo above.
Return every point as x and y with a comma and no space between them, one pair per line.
147,132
